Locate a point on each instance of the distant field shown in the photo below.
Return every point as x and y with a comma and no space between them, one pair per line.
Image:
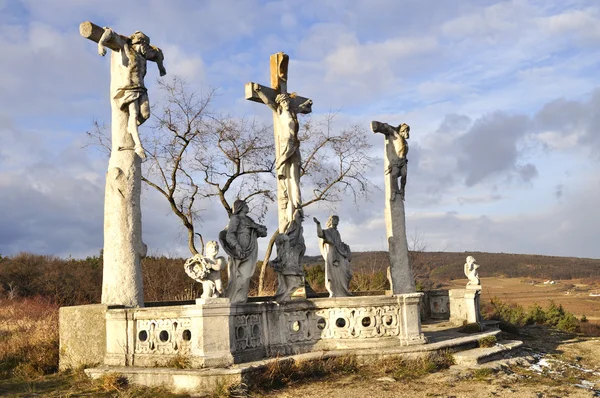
572,294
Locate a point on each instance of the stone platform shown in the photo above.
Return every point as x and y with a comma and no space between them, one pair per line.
212,333
206,380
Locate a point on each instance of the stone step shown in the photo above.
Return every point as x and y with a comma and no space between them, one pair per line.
477,356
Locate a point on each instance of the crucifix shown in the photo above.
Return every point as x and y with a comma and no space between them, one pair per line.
396,148
123,246
285,107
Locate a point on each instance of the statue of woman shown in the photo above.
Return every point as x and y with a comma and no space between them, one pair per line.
337,257
240,242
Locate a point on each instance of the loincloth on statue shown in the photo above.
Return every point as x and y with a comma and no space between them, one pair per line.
126,95
397,164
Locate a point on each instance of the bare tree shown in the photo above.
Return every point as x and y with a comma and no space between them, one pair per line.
194,153
334,163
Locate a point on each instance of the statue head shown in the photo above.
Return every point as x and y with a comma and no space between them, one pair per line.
140,41
240,207
283,100
212,248
404,130
333,221
470,260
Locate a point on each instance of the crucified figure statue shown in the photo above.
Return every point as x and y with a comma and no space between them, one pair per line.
130,94
397,167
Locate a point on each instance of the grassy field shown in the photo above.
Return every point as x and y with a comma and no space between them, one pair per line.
573,294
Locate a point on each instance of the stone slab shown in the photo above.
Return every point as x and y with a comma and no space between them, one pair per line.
82,332
480,355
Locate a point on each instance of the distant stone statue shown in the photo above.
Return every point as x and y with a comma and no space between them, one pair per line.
471,272
207,270
287,146
337,257
397,164
240,242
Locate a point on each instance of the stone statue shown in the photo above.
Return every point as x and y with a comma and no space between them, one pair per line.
288,263
394,166
397,166
470,270
207,270
128,90
123,246
240,242
287,147
337,257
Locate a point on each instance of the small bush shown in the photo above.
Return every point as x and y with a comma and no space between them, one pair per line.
470,328
482,373
488,341
113,382
409,369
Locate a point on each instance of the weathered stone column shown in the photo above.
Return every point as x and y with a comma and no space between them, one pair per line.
123,246
400,268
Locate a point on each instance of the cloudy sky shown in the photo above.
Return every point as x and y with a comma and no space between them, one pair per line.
503,100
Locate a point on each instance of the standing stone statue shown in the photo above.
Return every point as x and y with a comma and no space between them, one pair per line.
240,242
285,107
207,270
471,273
123,246
337,256
394,165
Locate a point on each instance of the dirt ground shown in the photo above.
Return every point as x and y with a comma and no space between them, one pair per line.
572,294
558,365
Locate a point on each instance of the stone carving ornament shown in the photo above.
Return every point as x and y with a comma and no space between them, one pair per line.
207,270
337,257
240,242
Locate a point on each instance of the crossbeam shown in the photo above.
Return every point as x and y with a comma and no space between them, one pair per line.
94,32
251,95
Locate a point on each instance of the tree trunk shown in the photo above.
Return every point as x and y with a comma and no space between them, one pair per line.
263,268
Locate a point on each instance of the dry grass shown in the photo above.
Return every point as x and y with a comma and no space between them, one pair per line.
405,369
28,338
278,374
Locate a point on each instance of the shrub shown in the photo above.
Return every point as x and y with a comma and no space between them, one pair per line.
488,341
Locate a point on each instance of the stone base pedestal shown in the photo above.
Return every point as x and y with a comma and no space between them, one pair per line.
464,305
82,335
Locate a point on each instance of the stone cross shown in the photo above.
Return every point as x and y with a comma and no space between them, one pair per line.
123,245
286,107
395,223
285,125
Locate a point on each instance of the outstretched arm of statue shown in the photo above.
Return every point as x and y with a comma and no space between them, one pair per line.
264,98
383,128
105,38
320,233
305,107
155,54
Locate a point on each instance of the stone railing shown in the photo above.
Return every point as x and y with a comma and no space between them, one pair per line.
214,333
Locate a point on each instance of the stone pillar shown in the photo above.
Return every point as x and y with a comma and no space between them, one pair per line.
464,305
215,341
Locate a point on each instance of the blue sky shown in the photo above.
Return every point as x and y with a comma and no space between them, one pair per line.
502,98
